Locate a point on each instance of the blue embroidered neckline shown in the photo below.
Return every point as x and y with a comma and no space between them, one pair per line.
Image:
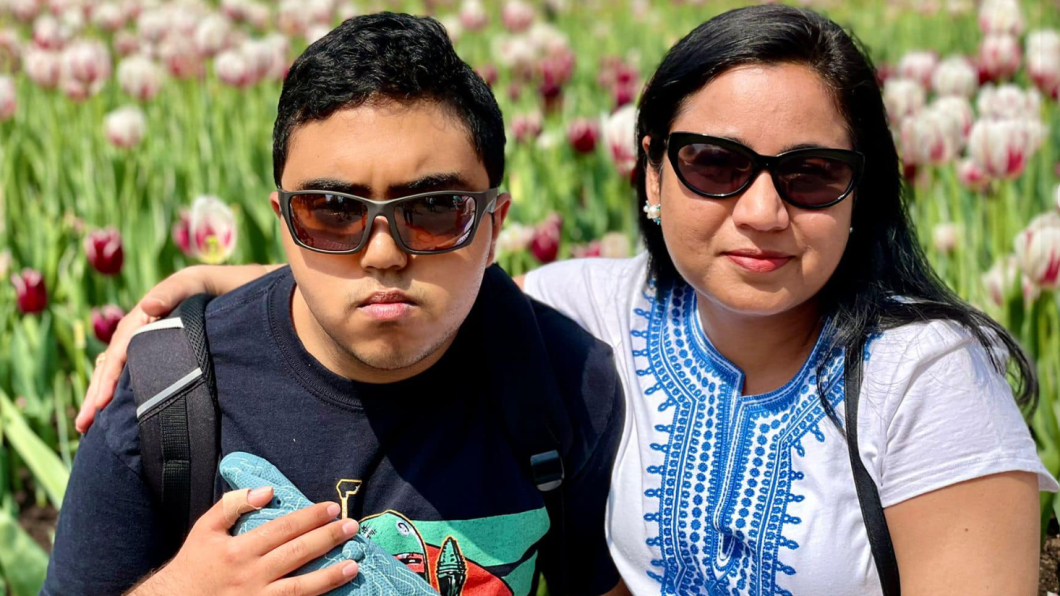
727,476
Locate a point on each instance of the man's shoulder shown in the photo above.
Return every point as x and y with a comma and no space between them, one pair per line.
248,298
585,371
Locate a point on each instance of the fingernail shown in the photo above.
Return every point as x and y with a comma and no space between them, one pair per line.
333,510
349,528
350,569
259,493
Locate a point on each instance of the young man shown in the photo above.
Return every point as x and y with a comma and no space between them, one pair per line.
368,368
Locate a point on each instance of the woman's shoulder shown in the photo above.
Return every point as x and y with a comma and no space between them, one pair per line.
594,292
595,273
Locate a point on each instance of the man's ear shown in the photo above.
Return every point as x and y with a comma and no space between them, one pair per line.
274,199
500,213
651,175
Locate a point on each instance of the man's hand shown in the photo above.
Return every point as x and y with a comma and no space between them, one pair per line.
157,303
212,563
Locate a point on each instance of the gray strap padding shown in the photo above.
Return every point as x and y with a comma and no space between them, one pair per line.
183,382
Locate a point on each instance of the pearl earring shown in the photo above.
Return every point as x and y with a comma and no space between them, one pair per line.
851,229
653,212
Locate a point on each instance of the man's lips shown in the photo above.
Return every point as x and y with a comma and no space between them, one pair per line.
758,261
387,305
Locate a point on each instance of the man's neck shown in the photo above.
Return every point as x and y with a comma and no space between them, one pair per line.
769,349
338,360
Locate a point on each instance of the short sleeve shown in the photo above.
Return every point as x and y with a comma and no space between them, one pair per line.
939,413
107,536
590,291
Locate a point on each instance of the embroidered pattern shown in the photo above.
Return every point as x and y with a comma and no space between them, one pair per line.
727,476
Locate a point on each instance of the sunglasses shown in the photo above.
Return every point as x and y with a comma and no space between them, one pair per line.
806,178
422,224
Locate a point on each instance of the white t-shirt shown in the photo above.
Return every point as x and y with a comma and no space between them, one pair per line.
714,492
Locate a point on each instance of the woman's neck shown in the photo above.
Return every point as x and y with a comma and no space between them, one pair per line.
769,349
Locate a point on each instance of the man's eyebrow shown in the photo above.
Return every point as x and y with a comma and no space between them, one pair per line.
442,181
336,185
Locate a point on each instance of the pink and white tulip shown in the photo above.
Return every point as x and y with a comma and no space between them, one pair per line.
8,98
955,76
234,69
999,57
1043,61
1038,251
903,98
1002,148
620,134
125,127
140,77
473,15
109,16
49,33
918,66
1001,17
971,176
212,230
43,67
1008,102
212,35
517,15
526,127
945,238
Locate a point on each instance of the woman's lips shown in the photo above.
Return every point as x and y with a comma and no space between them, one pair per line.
758,263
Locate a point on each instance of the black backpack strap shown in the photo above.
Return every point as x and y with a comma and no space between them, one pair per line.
868,495
177,411
535,421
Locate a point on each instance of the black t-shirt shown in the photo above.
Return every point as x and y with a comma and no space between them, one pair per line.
415,461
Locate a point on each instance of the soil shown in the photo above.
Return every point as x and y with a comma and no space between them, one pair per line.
1049,571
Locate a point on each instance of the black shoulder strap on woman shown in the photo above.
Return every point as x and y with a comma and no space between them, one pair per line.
868,495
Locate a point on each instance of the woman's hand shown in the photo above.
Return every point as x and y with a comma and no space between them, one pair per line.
157,303
213,563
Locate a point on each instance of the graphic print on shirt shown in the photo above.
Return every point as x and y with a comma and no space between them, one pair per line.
729,469
493,556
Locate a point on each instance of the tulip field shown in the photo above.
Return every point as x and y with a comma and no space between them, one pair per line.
135,139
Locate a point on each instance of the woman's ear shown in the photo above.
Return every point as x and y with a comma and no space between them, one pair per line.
652,176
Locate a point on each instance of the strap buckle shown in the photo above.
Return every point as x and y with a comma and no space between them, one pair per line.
547,470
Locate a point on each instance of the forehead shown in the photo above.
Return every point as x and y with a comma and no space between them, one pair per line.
768,108
380,144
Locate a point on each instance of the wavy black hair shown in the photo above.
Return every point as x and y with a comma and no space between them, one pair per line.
883,259
388,56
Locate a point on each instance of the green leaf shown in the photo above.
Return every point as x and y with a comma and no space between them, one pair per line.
22,562
48,470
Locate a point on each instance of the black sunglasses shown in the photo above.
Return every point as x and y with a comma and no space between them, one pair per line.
422,224
813,178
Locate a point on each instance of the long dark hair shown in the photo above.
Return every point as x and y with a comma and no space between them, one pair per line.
883,260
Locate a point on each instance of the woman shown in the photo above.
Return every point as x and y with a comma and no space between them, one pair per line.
780,256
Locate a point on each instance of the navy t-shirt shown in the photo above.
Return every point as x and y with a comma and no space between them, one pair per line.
417,461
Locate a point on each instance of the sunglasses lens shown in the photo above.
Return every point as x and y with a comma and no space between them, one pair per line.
814,181
328,222
435,222
712,169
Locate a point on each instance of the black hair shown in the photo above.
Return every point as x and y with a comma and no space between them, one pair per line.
883,279
391,57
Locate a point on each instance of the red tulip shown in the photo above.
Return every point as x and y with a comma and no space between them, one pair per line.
104,251
582,135
29,287
105,321
182,234
545,244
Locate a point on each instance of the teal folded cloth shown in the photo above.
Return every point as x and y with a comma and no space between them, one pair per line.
380,573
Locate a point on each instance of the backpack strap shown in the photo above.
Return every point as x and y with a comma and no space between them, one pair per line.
526,393
177,411
868,495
